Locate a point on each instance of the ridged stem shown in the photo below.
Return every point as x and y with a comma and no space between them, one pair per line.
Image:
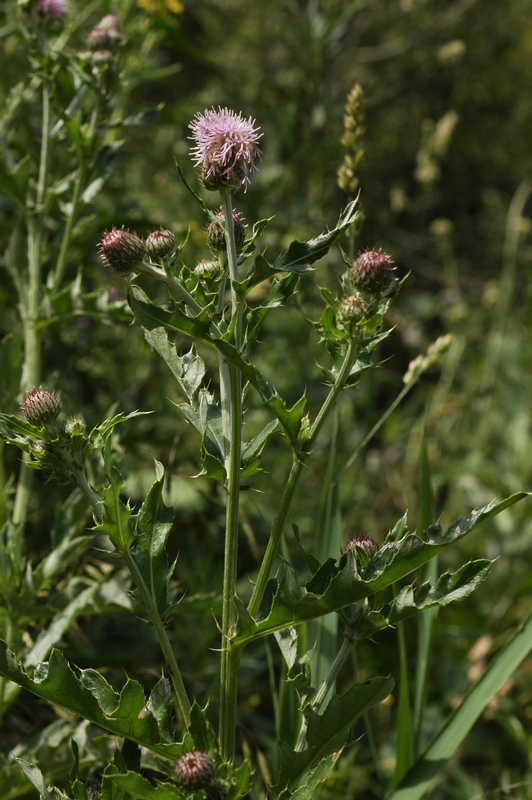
231,408
298,462
29,302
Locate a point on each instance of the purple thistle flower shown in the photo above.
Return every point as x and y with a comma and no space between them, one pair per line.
226,148
52,8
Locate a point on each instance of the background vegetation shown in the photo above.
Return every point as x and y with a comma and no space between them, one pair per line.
445,189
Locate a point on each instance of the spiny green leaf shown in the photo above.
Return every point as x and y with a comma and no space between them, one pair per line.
316,778
117,520
151,317
55,681
141,789
36,778
255,446
152,527
202,732
300,255
327,732
334,586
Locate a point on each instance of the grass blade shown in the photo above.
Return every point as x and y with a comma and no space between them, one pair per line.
444,745
427,618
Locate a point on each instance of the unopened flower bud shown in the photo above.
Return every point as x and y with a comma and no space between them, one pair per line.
55,9
106,34
101,57
216,235
208,270
121,250
160,243
194,771
366,543
41,407
353,309
372,271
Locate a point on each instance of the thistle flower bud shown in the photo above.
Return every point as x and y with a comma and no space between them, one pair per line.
353,309
121,250
160,243
372,271
41,407
194,771
208,271
366,543
55,9
216,235
106,34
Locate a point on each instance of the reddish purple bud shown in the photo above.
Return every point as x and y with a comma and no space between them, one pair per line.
226,148
160,243
216,235
41,407
366,543
52,8
372,271
194,771
121,250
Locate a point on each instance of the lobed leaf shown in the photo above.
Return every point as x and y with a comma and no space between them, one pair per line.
315,779
327,732
335,586
90,697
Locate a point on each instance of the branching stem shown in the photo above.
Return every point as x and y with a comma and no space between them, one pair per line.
298,462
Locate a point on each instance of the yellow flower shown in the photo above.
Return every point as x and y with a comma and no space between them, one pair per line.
162,7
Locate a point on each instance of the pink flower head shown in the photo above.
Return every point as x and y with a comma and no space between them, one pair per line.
226,148
52,8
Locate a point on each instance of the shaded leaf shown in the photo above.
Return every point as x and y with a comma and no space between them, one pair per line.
300,255
327,732
336,586
317,777
55,681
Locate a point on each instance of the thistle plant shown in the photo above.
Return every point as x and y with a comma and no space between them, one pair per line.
170,746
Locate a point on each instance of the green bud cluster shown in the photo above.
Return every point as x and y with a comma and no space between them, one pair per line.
216,234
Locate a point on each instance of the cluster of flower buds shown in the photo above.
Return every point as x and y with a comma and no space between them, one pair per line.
61,447
102,41
353,132
123,251
432,358
370,275
216,235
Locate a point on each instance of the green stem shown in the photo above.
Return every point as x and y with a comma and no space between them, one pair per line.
29,303
67,233
173,284
295,472
151,607
231,408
